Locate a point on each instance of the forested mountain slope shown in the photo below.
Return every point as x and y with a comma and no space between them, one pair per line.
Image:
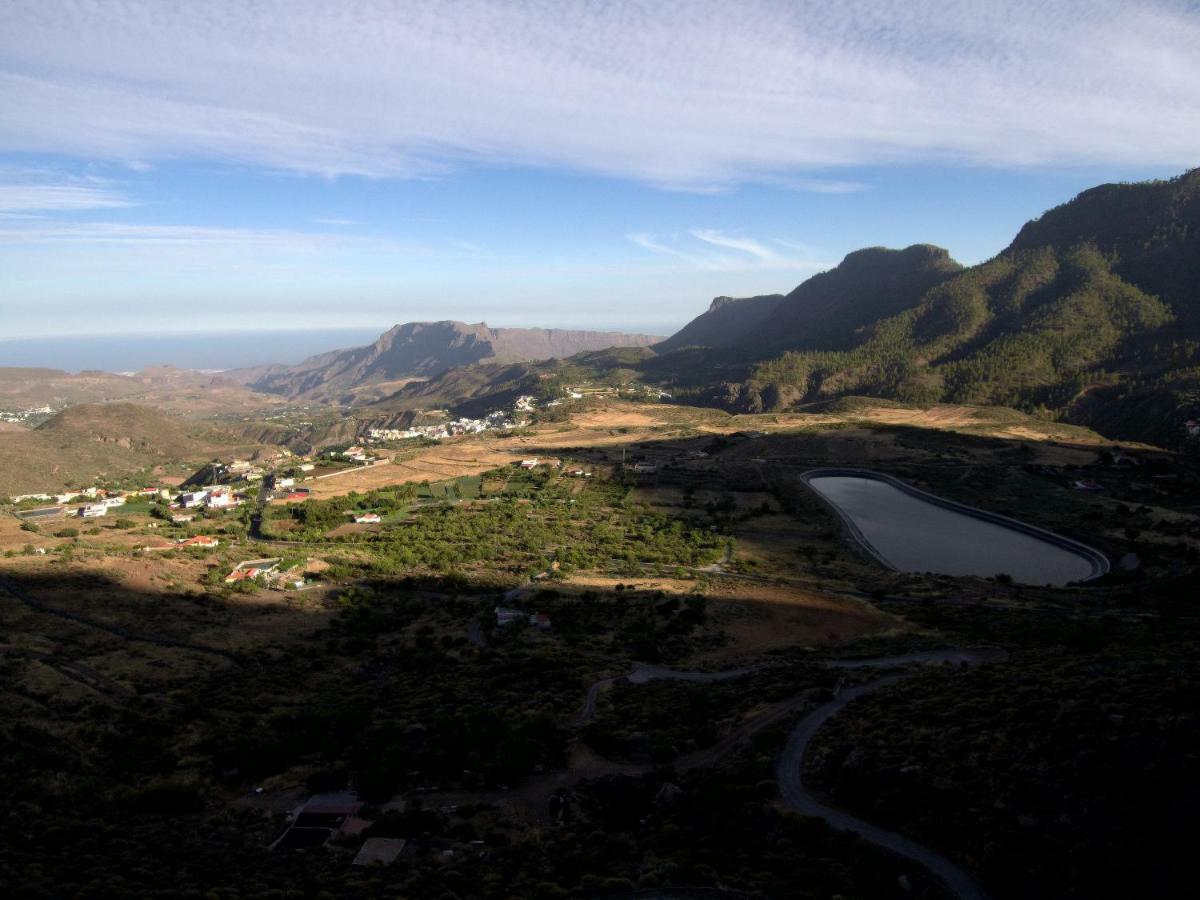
1092,313
829,310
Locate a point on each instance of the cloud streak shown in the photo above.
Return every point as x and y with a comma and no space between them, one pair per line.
699,95
39,198
732,253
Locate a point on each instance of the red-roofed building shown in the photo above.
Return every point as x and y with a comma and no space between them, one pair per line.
200,540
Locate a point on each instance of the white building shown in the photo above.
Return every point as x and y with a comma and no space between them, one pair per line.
192,499
93,511
114,501
219,500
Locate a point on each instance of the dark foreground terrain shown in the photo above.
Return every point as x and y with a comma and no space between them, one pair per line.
160,730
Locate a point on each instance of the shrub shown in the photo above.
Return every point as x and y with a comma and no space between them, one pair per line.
67,533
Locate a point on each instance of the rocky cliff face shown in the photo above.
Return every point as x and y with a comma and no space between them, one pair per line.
422,350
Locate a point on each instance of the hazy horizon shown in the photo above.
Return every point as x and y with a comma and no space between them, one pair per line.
198,349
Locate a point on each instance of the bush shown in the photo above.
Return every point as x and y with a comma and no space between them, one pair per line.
29,526
166,797
67,533
124,523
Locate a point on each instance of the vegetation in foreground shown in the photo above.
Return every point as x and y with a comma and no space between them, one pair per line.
132,765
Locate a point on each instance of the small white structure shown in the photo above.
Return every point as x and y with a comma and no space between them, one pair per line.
529,463
306,467
284,482
114,501
192,499
219,500
93,511
368,519
505,616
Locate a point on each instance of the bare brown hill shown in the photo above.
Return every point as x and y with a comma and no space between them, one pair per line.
105,441
184,392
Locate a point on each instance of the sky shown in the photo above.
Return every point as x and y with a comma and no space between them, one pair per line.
239,165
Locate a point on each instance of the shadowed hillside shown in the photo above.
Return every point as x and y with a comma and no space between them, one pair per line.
727,321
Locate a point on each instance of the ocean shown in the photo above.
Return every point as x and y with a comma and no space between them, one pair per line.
192,350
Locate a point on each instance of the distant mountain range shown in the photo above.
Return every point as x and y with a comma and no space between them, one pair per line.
420,350
1091,314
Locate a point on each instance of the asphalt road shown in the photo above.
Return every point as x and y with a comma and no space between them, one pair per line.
791,766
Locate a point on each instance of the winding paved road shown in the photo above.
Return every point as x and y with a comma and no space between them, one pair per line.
791,766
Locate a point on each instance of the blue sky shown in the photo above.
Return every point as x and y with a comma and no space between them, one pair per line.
300,165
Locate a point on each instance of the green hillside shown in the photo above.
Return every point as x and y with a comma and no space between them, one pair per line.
1092,315
1030,328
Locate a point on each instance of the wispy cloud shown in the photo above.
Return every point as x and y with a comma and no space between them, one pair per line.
31,198
699,95
746,253
338,222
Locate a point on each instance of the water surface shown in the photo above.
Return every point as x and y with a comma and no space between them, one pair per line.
914,535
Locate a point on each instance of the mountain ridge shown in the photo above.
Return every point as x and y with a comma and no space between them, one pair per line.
416,350
1090,314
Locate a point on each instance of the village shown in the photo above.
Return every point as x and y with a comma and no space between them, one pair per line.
30,416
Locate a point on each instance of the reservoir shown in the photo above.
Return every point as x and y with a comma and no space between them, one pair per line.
913,531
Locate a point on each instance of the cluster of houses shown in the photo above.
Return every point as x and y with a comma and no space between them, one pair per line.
217,496
26,416
97,501
495,421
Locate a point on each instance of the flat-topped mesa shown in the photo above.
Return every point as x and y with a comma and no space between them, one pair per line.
425,349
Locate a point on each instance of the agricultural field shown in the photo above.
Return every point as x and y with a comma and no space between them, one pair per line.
675,601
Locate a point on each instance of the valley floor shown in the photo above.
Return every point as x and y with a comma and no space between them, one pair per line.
691,601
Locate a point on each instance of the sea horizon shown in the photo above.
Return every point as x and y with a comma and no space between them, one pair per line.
201,350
